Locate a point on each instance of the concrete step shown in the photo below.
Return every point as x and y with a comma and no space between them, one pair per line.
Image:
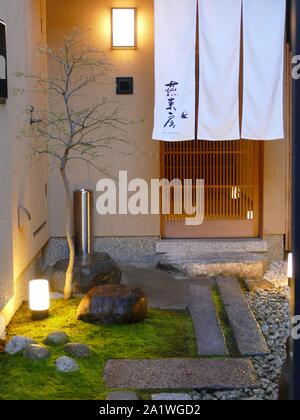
247,333
215,374
197,246
251,265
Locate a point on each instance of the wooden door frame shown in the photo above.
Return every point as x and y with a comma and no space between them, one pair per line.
207,230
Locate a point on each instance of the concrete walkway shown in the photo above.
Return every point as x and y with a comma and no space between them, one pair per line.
163,290
177,291
167,290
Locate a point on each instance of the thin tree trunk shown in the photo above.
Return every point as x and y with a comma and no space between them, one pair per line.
69,232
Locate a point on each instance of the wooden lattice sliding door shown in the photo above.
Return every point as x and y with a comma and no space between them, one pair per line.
231,172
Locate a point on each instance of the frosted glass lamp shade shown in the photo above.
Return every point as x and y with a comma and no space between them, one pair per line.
39,298
123,28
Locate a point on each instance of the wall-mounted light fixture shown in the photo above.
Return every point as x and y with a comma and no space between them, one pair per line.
3,65
39,299
123,23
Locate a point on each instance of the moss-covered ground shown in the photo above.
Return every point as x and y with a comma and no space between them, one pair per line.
224,323
164,333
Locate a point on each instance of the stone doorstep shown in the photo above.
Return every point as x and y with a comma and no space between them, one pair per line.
187,246
174,374
247,332
218,263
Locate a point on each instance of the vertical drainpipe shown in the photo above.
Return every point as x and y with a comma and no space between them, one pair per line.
294,8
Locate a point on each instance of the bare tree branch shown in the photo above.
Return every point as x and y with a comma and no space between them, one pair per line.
69,130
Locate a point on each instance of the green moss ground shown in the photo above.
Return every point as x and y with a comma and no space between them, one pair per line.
162,334
225,324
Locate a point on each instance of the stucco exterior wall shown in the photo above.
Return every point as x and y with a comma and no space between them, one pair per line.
19,174
143,158
95,14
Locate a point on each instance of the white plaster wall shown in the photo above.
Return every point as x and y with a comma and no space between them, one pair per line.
18,246
143,160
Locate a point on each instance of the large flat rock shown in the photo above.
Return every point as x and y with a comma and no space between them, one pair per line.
114,304
217,263
100,269
215,374
210,338
247,333
163,290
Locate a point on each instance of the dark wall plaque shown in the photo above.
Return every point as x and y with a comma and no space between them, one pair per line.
3,65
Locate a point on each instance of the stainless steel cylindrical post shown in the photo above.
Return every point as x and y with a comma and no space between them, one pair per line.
83,223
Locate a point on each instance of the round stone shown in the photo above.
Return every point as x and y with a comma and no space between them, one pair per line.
79,350
17,344
66,365
57,338
113,304
99,269
36,352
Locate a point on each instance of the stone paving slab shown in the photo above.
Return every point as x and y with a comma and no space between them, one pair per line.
202,280
217,263
210,338
214,374
171,397
248,336
122,396
163,290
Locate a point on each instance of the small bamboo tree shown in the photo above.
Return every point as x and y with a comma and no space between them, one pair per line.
74,130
